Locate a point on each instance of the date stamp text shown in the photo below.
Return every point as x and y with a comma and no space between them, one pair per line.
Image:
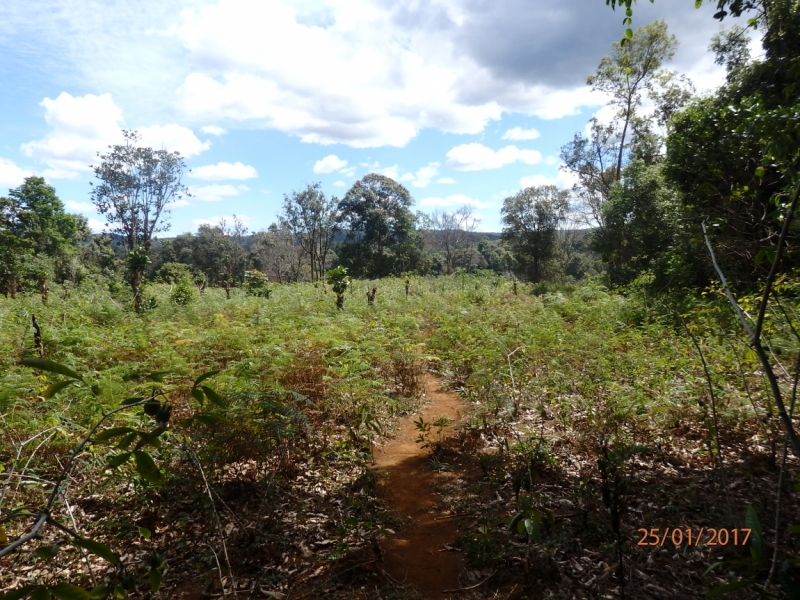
678,536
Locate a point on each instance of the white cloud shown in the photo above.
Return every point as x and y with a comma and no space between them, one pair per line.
551,160
454,200
390,172
11,176
216,192
446,180
97,226
477,157
329,164
519,134
348,172
213,130
339,183
86,207
82,126
173,138
177,204
224,170
215,220
425,175
563,180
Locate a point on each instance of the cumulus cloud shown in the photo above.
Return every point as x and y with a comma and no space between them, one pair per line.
82,126
329,164
216,192
477,157
520,134
224,170
454,200
97,226
213,130
339,183
85,207
445,180
563,180
11,176
425,175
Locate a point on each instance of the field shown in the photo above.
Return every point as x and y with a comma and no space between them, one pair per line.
594,442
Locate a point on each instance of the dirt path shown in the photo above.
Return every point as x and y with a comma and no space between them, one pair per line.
415,556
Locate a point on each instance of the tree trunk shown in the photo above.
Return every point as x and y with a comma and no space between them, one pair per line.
136,288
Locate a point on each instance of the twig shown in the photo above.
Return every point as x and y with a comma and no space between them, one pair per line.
472,587
445,517
219,568
755,341
14,465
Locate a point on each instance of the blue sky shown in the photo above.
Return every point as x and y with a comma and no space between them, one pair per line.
463,101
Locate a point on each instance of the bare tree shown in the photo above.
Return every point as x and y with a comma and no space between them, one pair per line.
450,233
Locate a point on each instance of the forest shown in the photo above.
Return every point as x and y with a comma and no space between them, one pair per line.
364,401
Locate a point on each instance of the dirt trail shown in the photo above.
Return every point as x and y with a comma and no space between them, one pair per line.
415,555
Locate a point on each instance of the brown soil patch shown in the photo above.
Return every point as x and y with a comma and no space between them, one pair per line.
417,556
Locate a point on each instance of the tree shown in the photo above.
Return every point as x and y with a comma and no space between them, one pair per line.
312,220
380,235
136,184
275,254
530,223
450,233
33,223
217,252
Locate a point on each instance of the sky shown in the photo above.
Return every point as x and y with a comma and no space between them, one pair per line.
461,101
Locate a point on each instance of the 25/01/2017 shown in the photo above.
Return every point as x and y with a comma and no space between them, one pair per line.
678,536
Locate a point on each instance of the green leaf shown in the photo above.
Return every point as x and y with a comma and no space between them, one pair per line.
147,468
698,3
41,594
760,172
145,532
514,524
213,396
120,593
729,587
629,33
117,460
129,401
151,438
126,440
47,552
197,394
101,591
112,432
53,389
22,592
211,419
44,364
155,579
97,548
205,376
756,536
67,591
794,529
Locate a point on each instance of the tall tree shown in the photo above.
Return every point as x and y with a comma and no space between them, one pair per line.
450,233
136,184
275,254
530,223
380,235
33,222
312,220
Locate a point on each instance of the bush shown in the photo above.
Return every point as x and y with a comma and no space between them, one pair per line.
185,291
257,284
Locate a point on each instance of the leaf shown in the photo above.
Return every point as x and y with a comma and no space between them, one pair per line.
147,468
756,536
145,532
67,591
760,172
53,389
126,440
155,579
197,394
20,593
47,552
729,587
41,594
3,536
129,401
97,548
120,593
629,33
211,419
205,376
213,396
112,432
44,364
791,529
101,591
513,525
117,460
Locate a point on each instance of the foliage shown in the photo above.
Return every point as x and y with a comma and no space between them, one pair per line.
380,238
312,220
530,222
339,281
257,284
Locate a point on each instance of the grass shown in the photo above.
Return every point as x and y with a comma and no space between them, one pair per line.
585,404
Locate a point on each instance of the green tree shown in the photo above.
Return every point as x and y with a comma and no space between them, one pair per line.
136,184
312,220
449,233
530,224
380,235
33,222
